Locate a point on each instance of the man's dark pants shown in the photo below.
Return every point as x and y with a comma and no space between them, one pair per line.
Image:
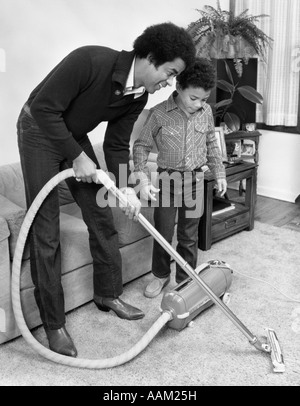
40,161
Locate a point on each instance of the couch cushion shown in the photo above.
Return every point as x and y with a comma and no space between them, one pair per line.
75,251
12,184
129,231
74,242
14,215
74,239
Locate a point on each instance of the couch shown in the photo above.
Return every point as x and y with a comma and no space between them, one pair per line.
134,241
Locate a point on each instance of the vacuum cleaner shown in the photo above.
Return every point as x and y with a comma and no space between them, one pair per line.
204,286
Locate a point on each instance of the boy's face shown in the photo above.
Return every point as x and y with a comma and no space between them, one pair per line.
191,99
156,78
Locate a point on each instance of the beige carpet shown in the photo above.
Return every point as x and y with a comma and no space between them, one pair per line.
213,352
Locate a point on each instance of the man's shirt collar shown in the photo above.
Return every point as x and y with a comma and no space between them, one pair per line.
129,87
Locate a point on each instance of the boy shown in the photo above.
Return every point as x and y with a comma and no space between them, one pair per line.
182,128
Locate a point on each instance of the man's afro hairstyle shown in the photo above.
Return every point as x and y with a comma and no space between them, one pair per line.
165,42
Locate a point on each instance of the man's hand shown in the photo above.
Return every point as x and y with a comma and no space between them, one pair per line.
148,192
133,206
84,168
222,186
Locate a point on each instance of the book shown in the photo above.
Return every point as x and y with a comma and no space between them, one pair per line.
221,205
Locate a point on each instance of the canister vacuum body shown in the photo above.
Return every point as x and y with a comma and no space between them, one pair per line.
187,300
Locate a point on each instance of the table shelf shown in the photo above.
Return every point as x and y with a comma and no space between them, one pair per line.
217,227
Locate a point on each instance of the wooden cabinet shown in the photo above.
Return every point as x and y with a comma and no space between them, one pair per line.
217,227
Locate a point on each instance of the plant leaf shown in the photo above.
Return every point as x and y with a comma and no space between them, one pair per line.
223,103
232,121
226,86
250,94
228,72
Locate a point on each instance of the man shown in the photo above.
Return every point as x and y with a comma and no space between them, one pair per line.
92,84
182,128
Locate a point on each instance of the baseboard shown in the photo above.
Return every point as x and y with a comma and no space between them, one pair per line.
284,195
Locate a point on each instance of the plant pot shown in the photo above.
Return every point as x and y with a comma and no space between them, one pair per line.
222,47
231,54
217,49
243,49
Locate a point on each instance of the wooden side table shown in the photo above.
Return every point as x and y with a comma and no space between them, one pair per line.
217,227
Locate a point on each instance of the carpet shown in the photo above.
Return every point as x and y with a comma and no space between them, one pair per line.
211,352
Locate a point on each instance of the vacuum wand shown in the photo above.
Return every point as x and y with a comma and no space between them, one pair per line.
109,184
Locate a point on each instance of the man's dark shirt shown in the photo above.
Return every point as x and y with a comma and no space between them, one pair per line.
84,89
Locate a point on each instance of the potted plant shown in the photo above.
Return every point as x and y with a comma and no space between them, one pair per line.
220,109
219,34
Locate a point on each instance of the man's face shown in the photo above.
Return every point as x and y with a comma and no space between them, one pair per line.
155,78
191,99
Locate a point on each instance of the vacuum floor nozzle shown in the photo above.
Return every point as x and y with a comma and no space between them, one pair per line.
275,351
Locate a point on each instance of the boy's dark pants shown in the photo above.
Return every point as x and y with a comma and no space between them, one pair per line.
182,193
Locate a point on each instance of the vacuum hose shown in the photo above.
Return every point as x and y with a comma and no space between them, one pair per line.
166,316
16,298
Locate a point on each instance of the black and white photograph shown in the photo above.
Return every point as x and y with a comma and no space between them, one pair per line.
134,257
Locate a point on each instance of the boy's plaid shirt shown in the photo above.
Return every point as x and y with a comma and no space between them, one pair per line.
183,143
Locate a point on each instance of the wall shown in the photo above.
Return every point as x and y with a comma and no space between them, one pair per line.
279,165
36,34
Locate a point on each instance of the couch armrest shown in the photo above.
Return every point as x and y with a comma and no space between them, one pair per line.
4,230
14,216
8,327
5,306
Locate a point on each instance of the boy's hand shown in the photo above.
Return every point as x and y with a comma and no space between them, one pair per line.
148,192
133,206
222,186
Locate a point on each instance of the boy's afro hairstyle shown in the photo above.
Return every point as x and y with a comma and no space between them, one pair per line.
201,74
165,42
